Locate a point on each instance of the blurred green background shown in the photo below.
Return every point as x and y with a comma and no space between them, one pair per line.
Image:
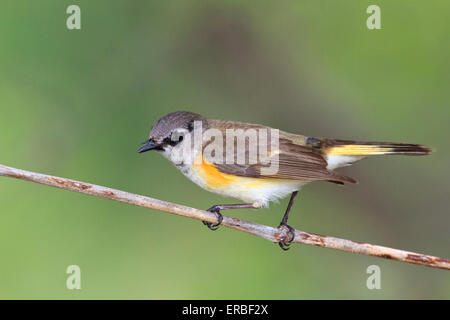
77,103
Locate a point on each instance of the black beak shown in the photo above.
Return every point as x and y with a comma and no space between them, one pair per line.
149,145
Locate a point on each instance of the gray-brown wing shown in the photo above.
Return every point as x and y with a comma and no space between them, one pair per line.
293,161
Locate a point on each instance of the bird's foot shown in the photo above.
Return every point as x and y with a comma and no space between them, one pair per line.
287,240
211,226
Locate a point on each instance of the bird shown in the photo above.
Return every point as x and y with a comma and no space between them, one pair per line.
183,138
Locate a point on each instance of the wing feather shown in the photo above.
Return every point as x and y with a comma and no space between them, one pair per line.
296,160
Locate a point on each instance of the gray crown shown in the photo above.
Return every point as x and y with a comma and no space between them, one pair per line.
163,127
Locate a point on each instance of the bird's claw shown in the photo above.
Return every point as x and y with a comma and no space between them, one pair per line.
287,240
210,225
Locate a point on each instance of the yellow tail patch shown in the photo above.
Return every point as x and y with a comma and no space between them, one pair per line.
358,150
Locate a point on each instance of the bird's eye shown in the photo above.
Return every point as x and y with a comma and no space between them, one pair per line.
174,140
176,136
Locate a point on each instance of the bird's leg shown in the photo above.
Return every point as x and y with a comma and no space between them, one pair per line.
216,209
284,244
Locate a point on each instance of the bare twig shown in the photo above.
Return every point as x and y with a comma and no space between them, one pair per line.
266,232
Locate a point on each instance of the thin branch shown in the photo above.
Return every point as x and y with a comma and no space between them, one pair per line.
266,232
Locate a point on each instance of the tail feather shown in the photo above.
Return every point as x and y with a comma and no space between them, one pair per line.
354,148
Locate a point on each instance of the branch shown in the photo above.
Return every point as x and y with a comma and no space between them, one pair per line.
266,232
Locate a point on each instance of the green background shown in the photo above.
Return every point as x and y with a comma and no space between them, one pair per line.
77,103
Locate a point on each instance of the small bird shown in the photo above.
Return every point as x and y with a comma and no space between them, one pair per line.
298,159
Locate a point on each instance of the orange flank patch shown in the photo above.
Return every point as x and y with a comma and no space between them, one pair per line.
213,177
218,180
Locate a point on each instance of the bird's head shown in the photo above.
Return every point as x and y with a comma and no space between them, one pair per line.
169,131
